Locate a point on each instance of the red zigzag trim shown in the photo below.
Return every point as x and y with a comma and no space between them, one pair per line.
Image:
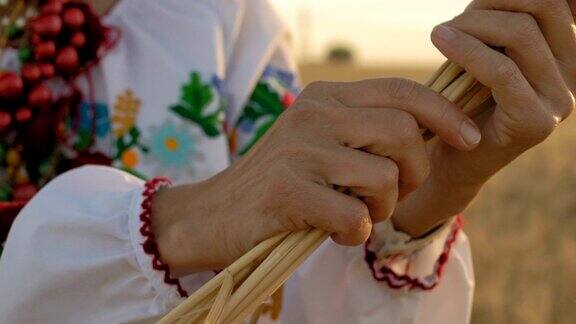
398,281
149,245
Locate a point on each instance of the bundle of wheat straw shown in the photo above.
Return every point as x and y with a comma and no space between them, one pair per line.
238,291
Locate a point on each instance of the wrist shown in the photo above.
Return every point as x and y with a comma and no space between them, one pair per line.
177,217
433,204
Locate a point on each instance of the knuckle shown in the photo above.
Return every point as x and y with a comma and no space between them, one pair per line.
507,72
549,124
545,126
565,105
305,112
401,89
472,54
387,175
316,88
527,31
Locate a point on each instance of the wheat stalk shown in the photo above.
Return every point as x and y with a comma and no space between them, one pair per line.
240,290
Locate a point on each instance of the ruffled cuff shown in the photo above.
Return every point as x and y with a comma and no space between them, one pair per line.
144,243
405,263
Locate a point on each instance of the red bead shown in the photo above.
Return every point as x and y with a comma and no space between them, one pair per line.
67,60
5,120
78,40
31,72
11,86
35,39
44,50
73,18
47,70
40,96
47,25
23,115
52,7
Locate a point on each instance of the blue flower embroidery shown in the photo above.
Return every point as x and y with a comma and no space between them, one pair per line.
172,147
285,79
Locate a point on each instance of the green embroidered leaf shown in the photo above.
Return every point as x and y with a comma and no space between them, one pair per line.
197,94
267,99
195,99
264,102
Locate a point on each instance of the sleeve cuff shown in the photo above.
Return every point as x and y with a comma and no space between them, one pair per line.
143,242
405,263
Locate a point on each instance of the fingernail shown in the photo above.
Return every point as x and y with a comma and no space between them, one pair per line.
470,133
444,32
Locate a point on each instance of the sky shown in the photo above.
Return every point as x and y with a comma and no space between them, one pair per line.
379,31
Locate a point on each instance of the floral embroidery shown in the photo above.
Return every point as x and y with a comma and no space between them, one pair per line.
127,135
93,120
172,147
271,96
130,158
197,105
126,110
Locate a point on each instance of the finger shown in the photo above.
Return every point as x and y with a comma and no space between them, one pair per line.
493,69
379,190
387,134
572,5
520,35
430,109
346,217
525,45
373,178
554,17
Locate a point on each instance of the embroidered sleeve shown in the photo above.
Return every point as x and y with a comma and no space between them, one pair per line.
275,92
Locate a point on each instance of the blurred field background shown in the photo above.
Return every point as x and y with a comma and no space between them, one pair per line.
523,224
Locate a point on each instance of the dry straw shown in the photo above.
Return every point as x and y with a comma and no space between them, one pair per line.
240,290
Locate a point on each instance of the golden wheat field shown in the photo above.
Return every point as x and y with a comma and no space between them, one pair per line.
522,226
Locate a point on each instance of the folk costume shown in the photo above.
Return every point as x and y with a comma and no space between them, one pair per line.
174,90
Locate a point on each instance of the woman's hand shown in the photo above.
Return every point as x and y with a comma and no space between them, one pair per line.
532,82
289,180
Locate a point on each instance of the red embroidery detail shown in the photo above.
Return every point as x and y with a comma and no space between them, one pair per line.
149,246
398,281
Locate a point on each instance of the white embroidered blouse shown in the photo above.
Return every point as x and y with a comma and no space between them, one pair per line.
189,87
